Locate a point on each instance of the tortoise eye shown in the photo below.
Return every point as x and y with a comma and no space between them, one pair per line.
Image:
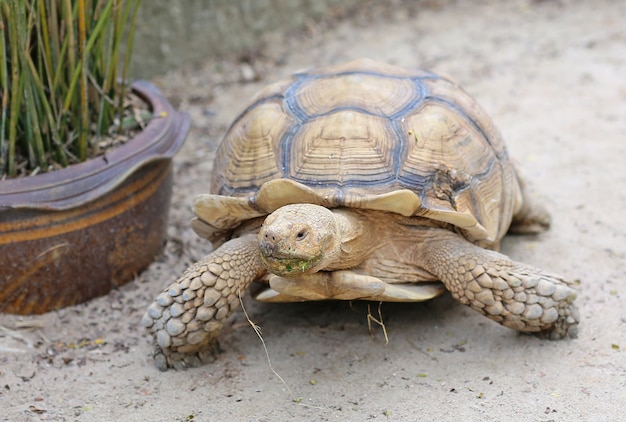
301,235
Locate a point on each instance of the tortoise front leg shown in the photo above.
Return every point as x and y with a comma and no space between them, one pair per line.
186,317
514,294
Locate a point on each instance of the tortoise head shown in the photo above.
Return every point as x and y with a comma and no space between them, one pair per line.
299,239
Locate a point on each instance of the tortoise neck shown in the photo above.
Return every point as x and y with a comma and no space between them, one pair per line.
356,243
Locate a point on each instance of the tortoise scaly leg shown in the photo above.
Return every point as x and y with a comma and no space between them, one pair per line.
516,295
186,317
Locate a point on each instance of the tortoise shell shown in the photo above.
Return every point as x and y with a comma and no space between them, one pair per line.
368,135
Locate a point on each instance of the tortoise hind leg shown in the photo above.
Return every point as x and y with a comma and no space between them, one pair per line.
186,317
532,217
516,295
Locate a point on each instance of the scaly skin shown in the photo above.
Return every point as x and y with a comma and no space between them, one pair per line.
516,295
187,315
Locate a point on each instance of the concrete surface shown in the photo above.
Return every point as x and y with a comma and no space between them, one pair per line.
553,76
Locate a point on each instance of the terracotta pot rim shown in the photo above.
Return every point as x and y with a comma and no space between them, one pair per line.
81,183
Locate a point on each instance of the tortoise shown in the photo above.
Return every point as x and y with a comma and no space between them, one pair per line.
360,181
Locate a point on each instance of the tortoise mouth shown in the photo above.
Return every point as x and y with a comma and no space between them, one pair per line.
290,266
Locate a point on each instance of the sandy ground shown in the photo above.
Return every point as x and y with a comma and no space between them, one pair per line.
553,76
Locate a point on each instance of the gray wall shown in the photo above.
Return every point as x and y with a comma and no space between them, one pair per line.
172,32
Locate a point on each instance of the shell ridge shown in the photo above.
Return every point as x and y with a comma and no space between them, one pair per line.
250,107
305,75
421,94
290,101
466,116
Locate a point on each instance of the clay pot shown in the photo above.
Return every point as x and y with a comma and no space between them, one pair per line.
73,234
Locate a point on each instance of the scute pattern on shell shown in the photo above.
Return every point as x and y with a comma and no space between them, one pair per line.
365,128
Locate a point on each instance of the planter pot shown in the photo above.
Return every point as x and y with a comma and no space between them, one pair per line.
72,234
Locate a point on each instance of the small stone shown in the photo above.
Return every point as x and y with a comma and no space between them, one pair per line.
177,310
211,296
205,313
545,288
248,74
174,326
175,290
163,339
155,310
533,312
